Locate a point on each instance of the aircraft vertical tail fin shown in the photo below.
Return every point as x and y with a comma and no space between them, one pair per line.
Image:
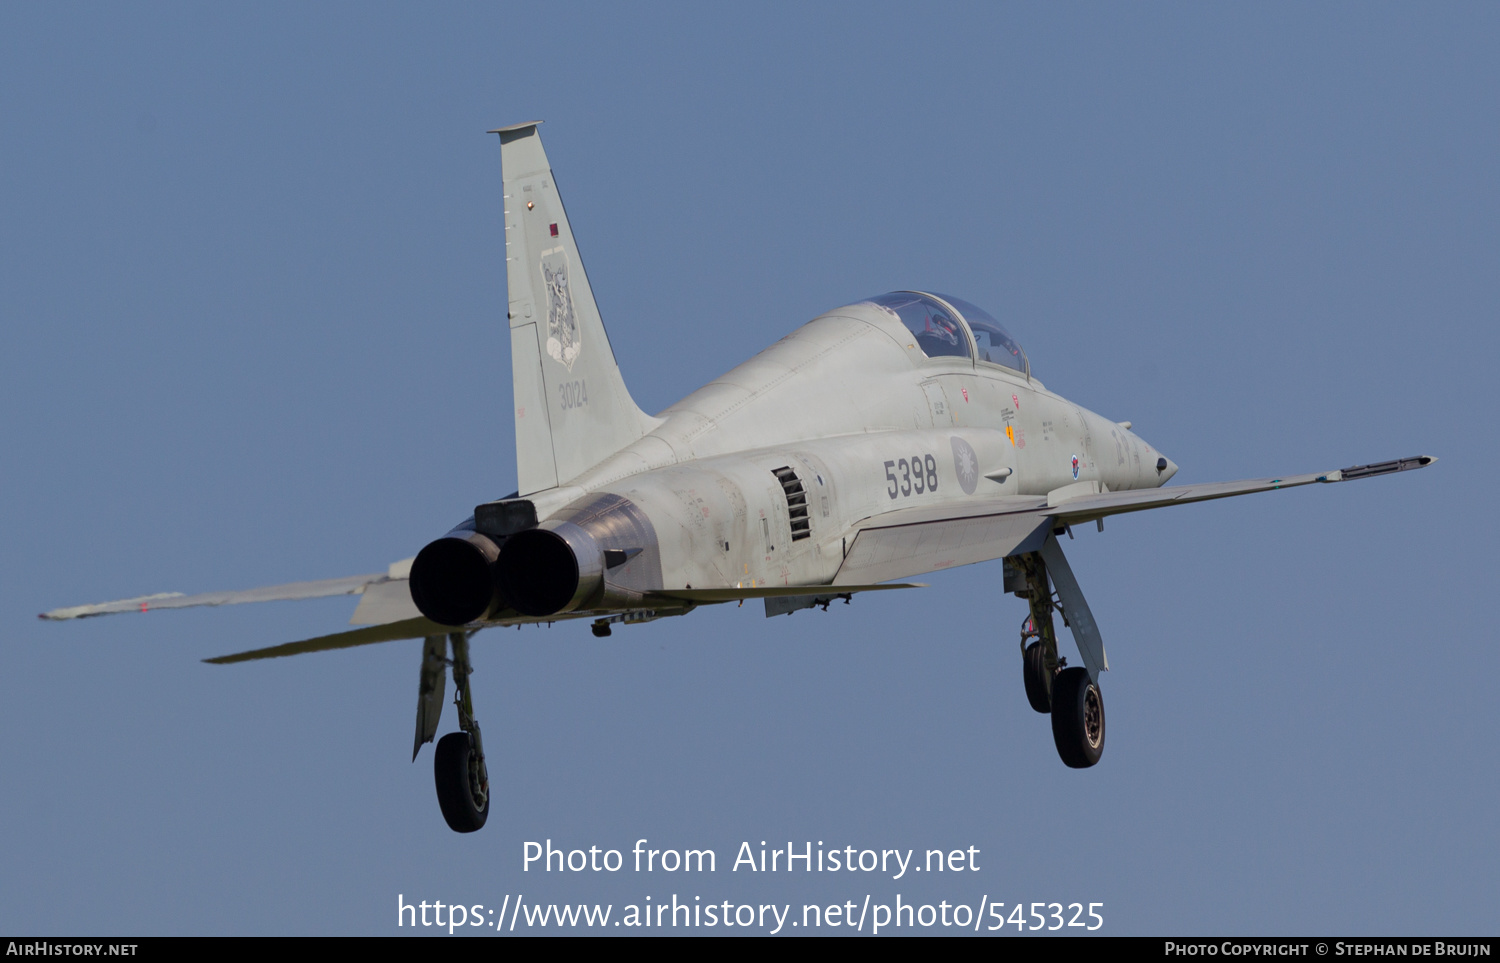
572,408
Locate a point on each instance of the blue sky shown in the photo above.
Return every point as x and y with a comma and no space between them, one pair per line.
252,289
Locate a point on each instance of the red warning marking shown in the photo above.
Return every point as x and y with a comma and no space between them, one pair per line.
966,394
554,230
143,606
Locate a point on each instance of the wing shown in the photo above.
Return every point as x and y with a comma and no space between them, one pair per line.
1087,506
911,541
386,598
768,592
416,628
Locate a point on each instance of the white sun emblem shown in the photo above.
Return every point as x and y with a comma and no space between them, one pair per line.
965,465
968,470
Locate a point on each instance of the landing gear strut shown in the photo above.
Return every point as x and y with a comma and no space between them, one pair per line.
463,782
1070,695
1039,659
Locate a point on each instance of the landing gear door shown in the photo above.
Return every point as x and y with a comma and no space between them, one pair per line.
1075,609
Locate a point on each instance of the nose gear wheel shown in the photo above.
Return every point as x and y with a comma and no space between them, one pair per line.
1037,677
1077,718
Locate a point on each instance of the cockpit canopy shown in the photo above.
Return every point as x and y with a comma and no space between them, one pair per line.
943,325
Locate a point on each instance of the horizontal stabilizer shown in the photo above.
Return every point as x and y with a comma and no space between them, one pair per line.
417,628
734,593
385,602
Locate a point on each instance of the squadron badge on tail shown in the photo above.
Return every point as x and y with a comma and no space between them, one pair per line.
563,343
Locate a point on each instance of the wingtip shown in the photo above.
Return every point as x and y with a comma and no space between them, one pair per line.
1381,468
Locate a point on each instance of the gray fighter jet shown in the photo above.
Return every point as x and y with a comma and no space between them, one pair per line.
897,435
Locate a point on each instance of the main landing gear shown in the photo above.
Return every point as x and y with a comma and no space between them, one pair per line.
463,782
1068,694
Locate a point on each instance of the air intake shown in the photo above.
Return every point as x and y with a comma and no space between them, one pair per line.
796,502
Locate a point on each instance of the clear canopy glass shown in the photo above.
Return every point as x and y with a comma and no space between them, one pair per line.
938,332
939,328
994,343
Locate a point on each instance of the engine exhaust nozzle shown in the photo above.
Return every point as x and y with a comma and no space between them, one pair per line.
453,579
550,570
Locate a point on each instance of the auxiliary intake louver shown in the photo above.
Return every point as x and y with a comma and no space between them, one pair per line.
796,502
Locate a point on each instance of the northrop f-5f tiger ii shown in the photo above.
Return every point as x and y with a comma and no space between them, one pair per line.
895,435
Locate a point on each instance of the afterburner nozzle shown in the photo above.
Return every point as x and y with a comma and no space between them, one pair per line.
453,579
550,570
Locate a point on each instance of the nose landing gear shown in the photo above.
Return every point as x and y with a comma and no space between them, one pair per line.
1036,673
1077,718
1069,695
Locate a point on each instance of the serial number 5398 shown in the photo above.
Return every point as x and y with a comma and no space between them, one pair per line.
914,476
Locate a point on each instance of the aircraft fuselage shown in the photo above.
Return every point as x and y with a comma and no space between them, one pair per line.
865,421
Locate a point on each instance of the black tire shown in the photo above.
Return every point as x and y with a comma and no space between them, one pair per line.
1077,718
1038,679
456,789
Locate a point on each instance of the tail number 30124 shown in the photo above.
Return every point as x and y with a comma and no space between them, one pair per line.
573,394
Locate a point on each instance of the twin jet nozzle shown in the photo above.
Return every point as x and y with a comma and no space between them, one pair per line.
543,571
506,564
